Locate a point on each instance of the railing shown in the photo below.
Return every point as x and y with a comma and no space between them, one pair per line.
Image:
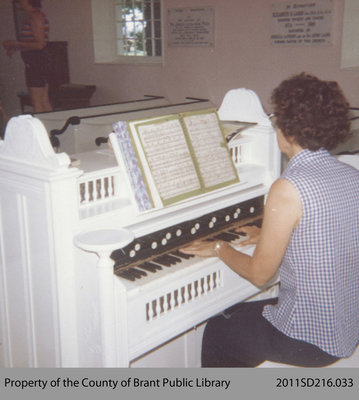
186,294
99,187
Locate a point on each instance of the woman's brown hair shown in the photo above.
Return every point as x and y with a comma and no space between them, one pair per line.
312,112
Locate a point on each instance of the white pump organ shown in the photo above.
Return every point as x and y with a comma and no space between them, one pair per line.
89,281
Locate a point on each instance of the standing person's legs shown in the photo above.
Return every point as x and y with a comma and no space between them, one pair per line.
39,97
36,76
45,99
241,337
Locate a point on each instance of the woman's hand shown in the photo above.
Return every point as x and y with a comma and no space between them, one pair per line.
206,248
201,248
252,231
10,46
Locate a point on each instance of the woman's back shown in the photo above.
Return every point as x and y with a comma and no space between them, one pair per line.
320,270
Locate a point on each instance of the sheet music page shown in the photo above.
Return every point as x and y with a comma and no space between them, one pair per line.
211,152
169,158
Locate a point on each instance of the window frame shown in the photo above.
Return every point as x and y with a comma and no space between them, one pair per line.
105,36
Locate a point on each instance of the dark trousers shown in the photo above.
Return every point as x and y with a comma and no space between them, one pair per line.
242,337
37,67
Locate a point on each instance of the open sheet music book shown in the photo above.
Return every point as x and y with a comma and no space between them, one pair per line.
174,157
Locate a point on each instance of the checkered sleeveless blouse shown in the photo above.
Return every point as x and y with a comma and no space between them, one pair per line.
319,292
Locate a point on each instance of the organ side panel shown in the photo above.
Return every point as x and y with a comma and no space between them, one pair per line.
37,279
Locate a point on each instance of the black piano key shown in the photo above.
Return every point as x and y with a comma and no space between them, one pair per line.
235,232
138,273
227,237
151,267
241,234
166,260
237,235
132,274
179,254
162,261
126,275
174,258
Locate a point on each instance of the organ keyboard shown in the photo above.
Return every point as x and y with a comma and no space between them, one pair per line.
161,247
69,301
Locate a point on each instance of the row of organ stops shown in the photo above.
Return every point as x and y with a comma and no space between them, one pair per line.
183,232
173,257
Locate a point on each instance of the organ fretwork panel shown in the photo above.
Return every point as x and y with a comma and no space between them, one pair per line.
112,277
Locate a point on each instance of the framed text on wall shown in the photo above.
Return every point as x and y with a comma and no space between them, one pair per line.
305,22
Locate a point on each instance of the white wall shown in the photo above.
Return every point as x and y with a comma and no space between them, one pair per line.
242,56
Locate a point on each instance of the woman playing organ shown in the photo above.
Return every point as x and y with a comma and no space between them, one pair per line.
309,233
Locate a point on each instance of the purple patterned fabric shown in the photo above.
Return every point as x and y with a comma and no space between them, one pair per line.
132,166
319,292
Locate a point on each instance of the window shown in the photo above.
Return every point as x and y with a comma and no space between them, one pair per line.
138,27
127,31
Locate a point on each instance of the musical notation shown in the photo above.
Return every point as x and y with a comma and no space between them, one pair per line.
183,155
207,140
169,158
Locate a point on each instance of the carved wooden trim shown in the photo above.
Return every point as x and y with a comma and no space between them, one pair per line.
26,140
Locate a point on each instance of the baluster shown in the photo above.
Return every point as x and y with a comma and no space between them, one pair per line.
103,190
81,192
112,186
158,307
190,291
107,187
220,278
117,185
205,285
179,297
186,294
216,279
211,282
165,303
97,189
86,192
92,185
150,311
193,290
173,300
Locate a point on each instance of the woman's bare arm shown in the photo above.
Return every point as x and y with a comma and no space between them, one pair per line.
281,215
38,29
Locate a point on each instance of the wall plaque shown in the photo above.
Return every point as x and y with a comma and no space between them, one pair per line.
301,23
191,26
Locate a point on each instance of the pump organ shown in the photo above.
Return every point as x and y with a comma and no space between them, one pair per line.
87,280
